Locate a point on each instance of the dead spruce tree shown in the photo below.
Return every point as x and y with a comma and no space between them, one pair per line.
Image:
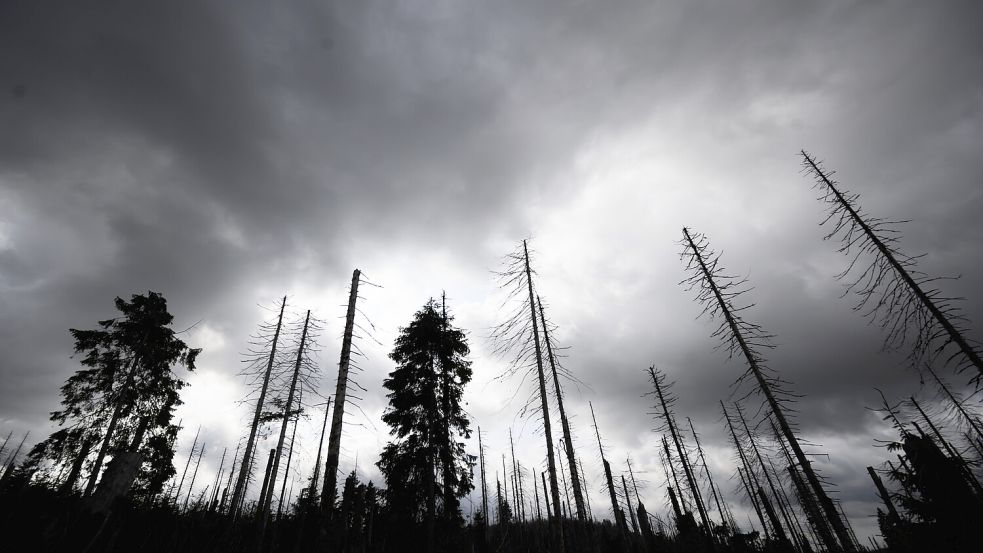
265,348
716,291
619,515
892,290
578,495
518,337
343,397
664,411
301,379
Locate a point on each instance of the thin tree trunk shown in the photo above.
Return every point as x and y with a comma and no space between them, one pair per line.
247,457
194,445
194,475
290,456
954,334
706,469
619,517
329,490
547,431
631,510
268,500
317,463
764,470
228,484
266,483
564,421
484,489
707,526
218,479
744,462
827,504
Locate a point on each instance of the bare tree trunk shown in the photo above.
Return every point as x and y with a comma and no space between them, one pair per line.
631,510
938,314
827,504
266,483
764,470
706,468
747,469
268,500
317,463
619,517
564,422
194,445
341,389
290,456
194,475
247,457
547,430
707,526
484,490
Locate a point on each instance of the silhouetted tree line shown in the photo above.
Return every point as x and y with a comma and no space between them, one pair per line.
105,479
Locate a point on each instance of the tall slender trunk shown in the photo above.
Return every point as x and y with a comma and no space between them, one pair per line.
484,488
228,484
631,510
829,509
446,457
194,475
266,483
218,479
317,463
547,430
687,470
290,456
564,421
954,335
764,471
268,500
747,470
706,469
329,490
672,470
194,445
619,516
247,457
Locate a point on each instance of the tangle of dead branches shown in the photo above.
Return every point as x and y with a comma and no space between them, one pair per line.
893,292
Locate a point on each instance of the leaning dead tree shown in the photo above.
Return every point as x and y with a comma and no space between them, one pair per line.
664,411
716,291
619,515
341,396
301,380
519,337
255,359
578,495
892,290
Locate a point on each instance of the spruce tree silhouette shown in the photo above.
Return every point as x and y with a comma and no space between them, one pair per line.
126,391
426,418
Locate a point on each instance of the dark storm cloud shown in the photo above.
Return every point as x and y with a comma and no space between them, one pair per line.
223,152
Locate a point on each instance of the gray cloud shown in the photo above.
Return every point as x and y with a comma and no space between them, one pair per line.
225,154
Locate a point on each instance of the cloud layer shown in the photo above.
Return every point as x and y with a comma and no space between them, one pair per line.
225,154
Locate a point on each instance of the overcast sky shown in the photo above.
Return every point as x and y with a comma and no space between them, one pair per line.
226,154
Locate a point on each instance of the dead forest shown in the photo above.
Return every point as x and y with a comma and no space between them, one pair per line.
106,480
